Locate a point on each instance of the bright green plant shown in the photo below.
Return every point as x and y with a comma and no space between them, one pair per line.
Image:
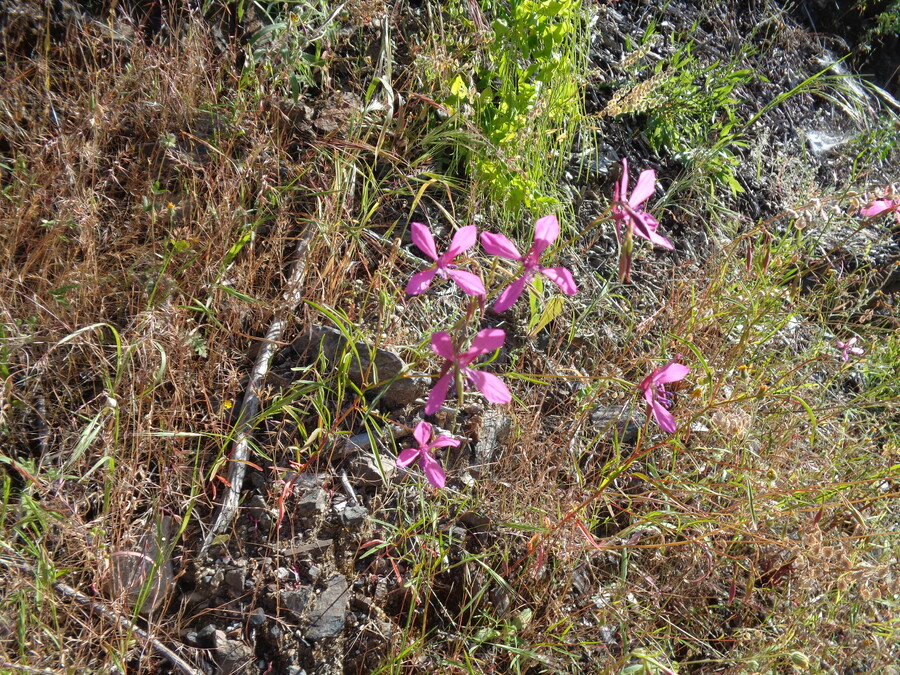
691,112
526,99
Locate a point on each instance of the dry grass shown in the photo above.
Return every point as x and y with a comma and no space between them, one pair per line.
152,194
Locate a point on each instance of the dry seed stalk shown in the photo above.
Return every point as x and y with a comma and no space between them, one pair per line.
637,99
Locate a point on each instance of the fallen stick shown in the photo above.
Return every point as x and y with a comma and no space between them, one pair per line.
293,294
110,615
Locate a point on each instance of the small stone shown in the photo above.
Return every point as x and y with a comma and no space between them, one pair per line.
231,655
234,580
329,614
296,600
493,433
371,472
354,516
142,574
312,503
621,419
257,617
283,574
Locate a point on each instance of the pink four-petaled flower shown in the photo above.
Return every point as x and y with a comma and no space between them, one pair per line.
546,230
487,340
628,210
880,206
433,471
463,240
658,399
847,349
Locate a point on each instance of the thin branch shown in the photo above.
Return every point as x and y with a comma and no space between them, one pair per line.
110,615
293,294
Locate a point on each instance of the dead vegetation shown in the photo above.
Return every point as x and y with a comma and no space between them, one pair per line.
157,176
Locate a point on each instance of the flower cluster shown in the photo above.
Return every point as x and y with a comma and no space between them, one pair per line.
458,360
848,348
460,353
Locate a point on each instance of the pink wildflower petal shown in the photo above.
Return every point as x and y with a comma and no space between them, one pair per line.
422,238
510,294
444,441
660,240
497,244
645,226
490,385
422,433
463,240
878,207
670,373
487,341
562,278
663,417
442,345
407,456
433,471
470,283
644,188
439,394
546,230
420,281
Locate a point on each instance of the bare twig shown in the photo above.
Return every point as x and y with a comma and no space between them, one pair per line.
293,294
110,615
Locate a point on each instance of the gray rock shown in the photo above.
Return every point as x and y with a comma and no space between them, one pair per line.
235,578
314,502
231,655
257,617
329,612
368,471
493,432
296,600
354,516
142,575
624,420
367,366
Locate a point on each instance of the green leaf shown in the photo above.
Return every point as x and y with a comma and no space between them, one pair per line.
551,310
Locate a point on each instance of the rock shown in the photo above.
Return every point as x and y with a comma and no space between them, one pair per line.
314,502
329,613
231,655
354,516
257,617
492,433
234,580
621,419
296,600
142,575
258,512
369,471
364,370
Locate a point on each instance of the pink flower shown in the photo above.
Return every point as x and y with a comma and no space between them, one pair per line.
658,399
628,211
488,340
546,230
882,206
463,240
433,471
847,348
